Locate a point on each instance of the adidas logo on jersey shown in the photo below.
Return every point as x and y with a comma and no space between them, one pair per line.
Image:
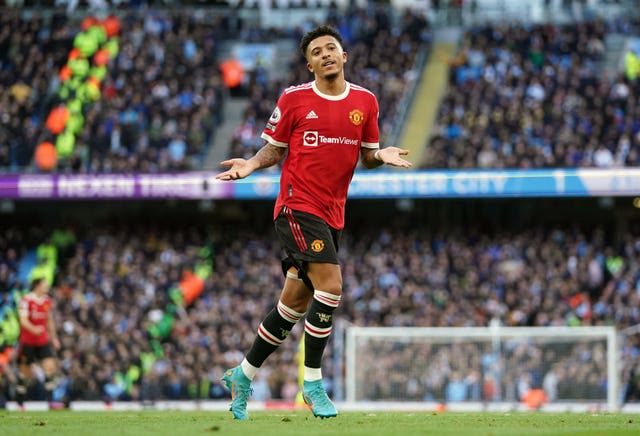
311,115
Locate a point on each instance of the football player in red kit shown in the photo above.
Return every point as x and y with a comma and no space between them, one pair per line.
324,127
38,339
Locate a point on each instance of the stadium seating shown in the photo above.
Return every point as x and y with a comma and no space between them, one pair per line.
162,97
127,329
534,96
114,294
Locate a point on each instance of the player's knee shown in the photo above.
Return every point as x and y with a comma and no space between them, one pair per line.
334,288
326,277
331,285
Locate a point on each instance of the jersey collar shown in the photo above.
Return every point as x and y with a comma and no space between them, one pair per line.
331,97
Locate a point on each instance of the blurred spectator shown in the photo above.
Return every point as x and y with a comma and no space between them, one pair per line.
534,96
162,97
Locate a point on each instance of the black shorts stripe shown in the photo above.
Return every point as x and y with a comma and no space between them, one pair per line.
296,231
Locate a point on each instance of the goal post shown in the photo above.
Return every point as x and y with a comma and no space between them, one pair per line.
484,365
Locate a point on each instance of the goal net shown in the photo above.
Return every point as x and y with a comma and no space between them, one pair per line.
552,368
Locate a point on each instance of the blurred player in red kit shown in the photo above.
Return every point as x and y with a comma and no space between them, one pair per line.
38,340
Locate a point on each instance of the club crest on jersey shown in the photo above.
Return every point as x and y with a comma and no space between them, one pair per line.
275,116
356,117
317,245
310,138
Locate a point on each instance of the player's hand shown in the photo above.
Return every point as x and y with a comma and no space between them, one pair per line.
37,329
391,156
56,344
240,168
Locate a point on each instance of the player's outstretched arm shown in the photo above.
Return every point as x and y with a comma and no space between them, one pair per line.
388,155
267,156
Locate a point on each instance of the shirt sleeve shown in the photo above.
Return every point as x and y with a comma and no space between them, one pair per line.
371,132
277,132
23,306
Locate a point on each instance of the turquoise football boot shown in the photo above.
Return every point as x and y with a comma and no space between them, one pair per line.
317,399
240,387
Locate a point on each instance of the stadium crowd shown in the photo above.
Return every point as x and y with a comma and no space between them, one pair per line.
114,285
534,96
520,97
164,94
162,97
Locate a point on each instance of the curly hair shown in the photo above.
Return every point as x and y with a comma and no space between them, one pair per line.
316,33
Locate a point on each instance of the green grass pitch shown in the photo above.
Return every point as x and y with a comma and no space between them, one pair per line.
160,423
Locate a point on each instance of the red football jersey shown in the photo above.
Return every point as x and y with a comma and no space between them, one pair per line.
37,309
324,134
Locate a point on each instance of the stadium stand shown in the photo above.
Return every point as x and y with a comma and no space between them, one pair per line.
171,56
162,97
126,337
535,96
126,329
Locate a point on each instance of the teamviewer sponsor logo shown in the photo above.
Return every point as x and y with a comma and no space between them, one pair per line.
310,138
340,140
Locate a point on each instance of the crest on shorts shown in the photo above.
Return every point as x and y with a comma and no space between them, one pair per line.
356,117
317,245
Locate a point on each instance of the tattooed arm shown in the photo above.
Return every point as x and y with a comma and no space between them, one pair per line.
267,156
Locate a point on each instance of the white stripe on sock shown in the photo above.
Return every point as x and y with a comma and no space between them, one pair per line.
288,313
318,332
331,300
267,336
